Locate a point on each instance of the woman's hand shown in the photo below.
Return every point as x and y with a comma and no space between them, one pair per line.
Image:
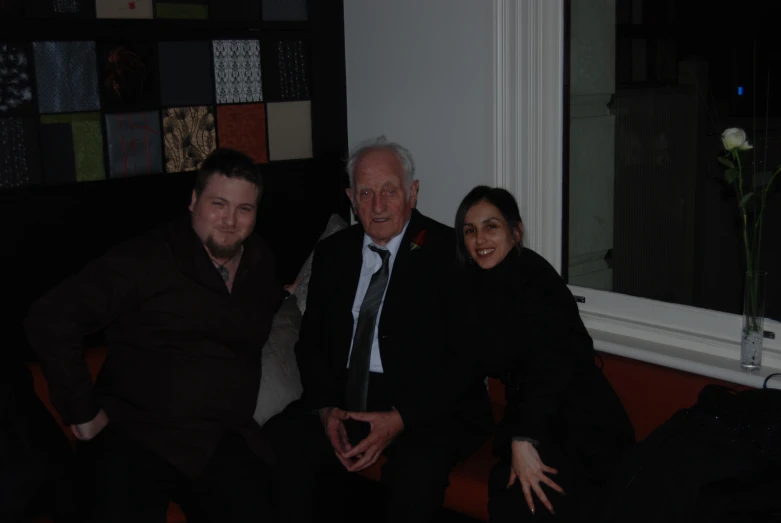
531,471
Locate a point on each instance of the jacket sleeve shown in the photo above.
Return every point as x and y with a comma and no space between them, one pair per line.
460,371
555,351
57,323
319,387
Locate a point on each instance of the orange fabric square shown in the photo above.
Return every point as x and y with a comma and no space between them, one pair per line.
243,128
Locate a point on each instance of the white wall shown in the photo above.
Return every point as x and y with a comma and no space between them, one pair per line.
420,72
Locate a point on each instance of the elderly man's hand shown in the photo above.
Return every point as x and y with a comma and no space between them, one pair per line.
291,287
385,427
333,423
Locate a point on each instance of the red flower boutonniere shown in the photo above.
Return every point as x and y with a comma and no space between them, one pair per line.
419,241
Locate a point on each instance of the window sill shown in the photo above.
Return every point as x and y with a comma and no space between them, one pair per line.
712,365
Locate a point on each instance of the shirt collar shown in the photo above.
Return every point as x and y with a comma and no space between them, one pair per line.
393,245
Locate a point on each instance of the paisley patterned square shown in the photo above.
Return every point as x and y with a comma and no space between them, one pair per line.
237,71
243,128
134,144
67,76
16,90
189,135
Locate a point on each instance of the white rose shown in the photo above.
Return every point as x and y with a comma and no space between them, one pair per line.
734,138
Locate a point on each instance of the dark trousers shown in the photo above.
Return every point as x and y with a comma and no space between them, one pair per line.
128,483
415,475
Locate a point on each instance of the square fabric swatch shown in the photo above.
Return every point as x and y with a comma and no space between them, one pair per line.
14,8
235,10
19,152
134,144
72,146
189,136
237,71
129,77
289,130
60,8
286,71
66,6
67,76
16,90
186,73
284,10
243,127
182,11
123,8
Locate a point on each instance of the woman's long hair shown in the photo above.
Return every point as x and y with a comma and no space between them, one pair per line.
499,198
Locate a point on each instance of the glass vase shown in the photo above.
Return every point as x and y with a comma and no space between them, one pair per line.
753,331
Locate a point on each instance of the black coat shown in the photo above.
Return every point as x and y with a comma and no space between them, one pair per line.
184,354
525,329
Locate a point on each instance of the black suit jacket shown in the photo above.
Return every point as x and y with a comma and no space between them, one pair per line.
415,328
184,354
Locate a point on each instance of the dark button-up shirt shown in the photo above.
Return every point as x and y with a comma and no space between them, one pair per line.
184,353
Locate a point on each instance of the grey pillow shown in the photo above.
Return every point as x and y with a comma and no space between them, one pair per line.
280,383
335,223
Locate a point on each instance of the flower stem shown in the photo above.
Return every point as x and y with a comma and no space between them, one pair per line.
751,273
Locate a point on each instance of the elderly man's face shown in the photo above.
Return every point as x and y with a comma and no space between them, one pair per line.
380,198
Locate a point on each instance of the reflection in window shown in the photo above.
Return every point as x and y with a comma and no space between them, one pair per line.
651,87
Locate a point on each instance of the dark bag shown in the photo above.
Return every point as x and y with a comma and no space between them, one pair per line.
719,460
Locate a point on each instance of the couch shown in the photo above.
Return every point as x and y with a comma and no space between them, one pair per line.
650,393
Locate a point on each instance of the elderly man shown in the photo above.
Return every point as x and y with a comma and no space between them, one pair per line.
186,309
373,342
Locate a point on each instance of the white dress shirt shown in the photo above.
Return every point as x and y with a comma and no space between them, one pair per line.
371,264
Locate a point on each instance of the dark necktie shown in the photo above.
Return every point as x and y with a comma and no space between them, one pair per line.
358,373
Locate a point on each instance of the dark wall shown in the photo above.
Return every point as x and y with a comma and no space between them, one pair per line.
51,231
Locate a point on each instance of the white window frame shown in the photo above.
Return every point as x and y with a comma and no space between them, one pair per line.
529,128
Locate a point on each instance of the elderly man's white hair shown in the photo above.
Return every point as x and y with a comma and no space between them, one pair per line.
377,144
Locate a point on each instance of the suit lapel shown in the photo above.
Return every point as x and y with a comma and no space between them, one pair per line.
406,261
346,288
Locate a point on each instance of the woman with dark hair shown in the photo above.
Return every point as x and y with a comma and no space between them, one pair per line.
564,428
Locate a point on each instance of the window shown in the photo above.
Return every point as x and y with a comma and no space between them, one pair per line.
648,212
552,127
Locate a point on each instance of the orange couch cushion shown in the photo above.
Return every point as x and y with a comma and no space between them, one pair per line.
650,393
94,359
